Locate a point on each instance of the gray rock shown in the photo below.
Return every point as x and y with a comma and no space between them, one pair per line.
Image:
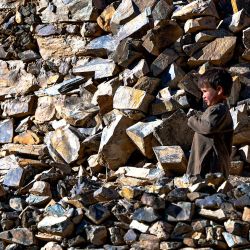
19,107
161,229
181,231
14,177
97,213
105,194
38,200
162,10
170,132
167,57
61,226
153,201
139,23
124,13
67,150
171,159
97,235
116,235
181,211
22,236
116,147
47,30
234,240
146,214
131,236
6,130
177,194
161,36
237,227
97,67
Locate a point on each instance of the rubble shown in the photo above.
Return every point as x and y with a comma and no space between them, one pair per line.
94,143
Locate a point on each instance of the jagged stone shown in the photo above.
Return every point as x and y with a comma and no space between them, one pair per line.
130,193
190,49
161,36
116,235
124,13
170,131
14,177
47,30
48,237
97,213
37,200
162,10
181,211
20,107
142,5
139,226
237,22
210,202
148,84
236,167
171,159
241,125
153,201
196,8
32,150
141,173
142,135
164,245
145,214
172,76
147,241
159,106
213,214
126,53
97,67
105,194
41,188
51,245
28,137
137,24
6,131
245,153
63,145
60,47
181,231
177,194
218,52
22,236
246,38
100,47
237,228
209,35
90,30
130,98
115,146
77,111
200,23
235,91
14,79
74,11
97,235
161,229
234,240
61,226
105,17
225,187
167,57
130,236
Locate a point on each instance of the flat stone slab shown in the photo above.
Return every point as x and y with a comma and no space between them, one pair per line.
98,67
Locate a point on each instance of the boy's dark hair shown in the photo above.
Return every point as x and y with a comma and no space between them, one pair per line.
215,77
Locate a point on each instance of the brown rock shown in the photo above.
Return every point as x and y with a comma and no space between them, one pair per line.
218,52
196,8
200,23
27,138
32,150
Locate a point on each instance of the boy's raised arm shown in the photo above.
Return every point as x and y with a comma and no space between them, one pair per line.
209,122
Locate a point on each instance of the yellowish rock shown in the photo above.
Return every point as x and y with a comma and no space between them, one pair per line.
28,138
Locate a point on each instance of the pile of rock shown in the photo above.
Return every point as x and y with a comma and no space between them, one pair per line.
94,99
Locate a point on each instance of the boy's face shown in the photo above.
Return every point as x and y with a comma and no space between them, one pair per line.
211,96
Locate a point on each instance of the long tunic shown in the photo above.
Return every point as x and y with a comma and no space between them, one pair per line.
212,141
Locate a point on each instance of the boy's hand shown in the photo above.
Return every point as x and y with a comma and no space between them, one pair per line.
191,112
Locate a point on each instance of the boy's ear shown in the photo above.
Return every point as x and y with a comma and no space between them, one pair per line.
220,90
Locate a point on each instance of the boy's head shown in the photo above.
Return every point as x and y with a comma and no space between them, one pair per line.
215,84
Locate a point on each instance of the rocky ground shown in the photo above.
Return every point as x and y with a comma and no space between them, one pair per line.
94,101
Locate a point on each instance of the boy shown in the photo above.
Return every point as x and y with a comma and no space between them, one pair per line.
212,141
